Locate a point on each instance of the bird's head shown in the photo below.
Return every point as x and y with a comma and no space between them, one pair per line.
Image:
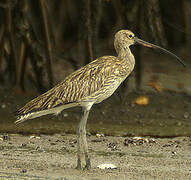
125,38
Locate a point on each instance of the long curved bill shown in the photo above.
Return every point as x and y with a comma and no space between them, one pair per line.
144,43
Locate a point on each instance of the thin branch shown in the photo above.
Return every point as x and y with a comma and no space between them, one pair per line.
2,32
154,21
21,66
12,41
138,28
97,16
48,42
89,29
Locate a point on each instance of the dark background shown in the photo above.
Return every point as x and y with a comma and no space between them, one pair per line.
42,41
34,35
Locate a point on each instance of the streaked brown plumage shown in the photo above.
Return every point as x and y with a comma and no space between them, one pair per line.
88,82
89,85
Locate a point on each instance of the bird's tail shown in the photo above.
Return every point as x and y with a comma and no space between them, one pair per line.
45,104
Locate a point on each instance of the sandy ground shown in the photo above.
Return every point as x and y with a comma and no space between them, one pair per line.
54,157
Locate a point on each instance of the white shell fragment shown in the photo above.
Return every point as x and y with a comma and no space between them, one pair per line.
34,137
99,135
107,166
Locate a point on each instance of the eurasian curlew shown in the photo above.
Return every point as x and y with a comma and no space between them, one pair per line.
89,85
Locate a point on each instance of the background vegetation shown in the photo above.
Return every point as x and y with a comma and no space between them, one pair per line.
35,34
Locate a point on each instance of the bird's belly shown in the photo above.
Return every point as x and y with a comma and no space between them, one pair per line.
107,91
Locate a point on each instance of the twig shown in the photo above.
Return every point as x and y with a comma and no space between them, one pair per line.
97,16
48,42
89,30
21,66
12,64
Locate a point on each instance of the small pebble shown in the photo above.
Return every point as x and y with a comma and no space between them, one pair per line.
3,106
5,138
23,171
173,153
186,115
52,143
112,146
96,140
23,145
65,114
138,141
168,145
179,124
38,147
171,116
152,140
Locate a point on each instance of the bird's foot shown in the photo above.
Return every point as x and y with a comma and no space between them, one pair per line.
79,165
88,164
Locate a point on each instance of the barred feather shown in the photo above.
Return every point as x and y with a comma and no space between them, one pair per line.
92,83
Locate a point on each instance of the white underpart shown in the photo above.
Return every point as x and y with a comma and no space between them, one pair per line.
54,111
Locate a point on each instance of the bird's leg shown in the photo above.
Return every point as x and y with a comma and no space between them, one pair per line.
79,144
82,142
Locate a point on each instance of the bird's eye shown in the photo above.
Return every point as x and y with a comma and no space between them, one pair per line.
130,36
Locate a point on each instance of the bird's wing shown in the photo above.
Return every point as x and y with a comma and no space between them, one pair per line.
89,79
81,83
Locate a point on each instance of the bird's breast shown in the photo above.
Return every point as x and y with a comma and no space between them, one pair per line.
107,90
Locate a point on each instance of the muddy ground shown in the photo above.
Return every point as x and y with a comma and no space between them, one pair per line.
54,157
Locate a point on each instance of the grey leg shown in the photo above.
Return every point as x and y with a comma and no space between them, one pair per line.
82,142
79,146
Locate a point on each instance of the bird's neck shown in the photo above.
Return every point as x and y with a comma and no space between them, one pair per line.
126,57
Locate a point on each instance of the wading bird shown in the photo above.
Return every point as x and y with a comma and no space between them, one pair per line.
89,85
